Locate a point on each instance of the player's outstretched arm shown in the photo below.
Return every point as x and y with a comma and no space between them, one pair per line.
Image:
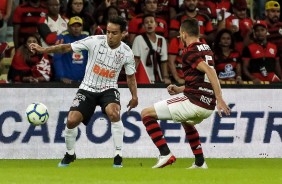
131,82
210,72
61,48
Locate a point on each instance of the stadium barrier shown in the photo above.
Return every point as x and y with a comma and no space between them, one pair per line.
253,130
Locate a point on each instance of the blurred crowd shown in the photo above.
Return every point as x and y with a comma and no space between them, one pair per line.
245,35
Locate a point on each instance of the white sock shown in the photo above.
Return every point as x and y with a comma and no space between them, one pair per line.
117,132
70,138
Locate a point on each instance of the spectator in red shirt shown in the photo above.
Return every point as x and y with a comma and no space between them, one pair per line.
175,50
227,59
26,19
240,24
5,13
190,11
27,66
272,14
135,26
260,59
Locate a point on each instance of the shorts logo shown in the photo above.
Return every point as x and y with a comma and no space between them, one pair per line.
78,98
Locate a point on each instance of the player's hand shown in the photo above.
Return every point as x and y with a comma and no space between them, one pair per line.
173,89
34,47
222,107
132,104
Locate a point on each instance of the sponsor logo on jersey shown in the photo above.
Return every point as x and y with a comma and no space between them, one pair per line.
104,72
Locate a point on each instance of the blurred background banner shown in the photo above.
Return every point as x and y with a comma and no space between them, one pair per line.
254,129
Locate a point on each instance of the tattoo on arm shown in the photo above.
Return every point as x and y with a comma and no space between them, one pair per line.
61,48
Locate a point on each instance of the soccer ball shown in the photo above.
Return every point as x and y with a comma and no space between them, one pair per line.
37,114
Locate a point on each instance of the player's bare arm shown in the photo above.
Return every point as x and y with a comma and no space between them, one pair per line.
61,48
131,82
174,90
210,72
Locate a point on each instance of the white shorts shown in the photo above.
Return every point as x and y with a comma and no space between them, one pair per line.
180,109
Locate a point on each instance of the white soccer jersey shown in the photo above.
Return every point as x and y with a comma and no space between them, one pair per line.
104,64
141,49
58,26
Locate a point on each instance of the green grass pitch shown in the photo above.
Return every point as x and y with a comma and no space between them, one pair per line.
138,171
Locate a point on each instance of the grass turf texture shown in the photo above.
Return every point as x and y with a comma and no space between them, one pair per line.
138,171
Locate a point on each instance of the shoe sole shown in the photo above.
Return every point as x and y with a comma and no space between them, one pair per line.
63,165
170,161
117,166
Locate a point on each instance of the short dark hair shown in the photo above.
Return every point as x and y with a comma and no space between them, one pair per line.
147,15
120,21
191,26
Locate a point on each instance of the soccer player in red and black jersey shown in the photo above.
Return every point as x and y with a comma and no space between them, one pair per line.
201,93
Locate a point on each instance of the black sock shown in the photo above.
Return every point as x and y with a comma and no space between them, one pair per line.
164,150
199,159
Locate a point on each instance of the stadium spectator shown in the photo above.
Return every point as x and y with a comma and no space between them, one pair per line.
99,86
70,67
27,66
150,54
201,93
227,59
190,11
216,5
240,24
260,59
5,13
110,12
135,26
175,50
77,8
272,14
126,8
26,19
167,9
53,24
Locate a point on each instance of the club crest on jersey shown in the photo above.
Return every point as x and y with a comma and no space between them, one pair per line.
118,57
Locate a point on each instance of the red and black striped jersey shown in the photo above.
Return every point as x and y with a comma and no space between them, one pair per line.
204,21
28,18
225,66
197,85
275,35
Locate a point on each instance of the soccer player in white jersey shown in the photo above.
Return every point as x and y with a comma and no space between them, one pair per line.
107,54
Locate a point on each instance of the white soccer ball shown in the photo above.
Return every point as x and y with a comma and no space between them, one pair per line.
37,114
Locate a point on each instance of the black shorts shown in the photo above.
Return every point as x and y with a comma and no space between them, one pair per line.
85,102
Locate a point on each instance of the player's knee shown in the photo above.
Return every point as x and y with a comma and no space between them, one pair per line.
114,116
145,112
73,120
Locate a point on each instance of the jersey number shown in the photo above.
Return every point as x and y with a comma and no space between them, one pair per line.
208,58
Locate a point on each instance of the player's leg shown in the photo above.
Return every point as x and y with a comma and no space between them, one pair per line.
71,131
150,116
81,111
113,112
193,138
110,102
